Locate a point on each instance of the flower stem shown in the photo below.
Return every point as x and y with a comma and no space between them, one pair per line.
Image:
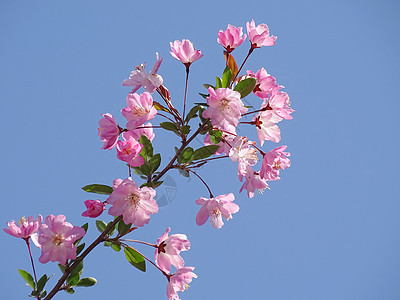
68,271
198,176
248,54
141,242
186,88
30,254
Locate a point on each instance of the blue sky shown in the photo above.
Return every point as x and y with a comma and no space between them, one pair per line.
327,230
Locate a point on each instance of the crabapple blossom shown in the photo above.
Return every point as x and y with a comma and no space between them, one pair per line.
274,161
216,208
231,38
129,150
224,108
116,183
265,83
25,228
133,203
224,144
94,208
259,36
146,129
244,154
267,129
184,52
139,110
168,249
150,81
279,103
108,131
56,239
179,282
253,182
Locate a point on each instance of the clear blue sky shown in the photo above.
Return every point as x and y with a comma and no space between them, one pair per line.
328,230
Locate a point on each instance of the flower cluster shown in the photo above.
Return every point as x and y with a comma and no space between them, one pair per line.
131,203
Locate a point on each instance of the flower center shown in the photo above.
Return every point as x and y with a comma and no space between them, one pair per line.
134,199
215,213
224,103
22,221
57,239
139,112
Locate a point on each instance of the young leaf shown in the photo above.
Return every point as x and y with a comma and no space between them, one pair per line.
70,291
155,162
206,85
80,248
186,155
158,106
218,83
73,279
147,151
226,77
230,61
123,228
88,281
169,126
192,113
98,189
204,95
85,227
78,269
246,86
42,282
112,230
101,225
185,129
27,277
205,152
154,184
116,247
135,259
215,136
62,268
184,172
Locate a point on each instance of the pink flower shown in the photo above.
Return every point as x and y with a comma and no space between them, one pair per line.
94,208
25,228
140,77
133,203
265,83
179,282
244,154
146,129
224,144
56,239
216,208
254,182
139,110
224,108
280,105
184,52
259,36
274,161
108,131
266,126
116,183
129,150
168,249
231,38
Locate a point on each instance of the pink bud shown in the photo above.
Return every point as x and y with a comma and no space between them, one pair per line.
94,208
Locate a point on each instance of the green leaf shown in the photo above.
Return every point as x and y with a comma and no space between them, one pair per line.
215,136
192,113
116,247
112,230
185,129
154,184
88,281
169,126
78,269
101,225
135,259
80,248
246,86
107,244
98,189
34,294
184,172
158,106
85,227
218,83
206,85
27,277
42,295
186,155
204,95
123,228
73,279
42,282
70,291
226,77
155,162
205,152
147,151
